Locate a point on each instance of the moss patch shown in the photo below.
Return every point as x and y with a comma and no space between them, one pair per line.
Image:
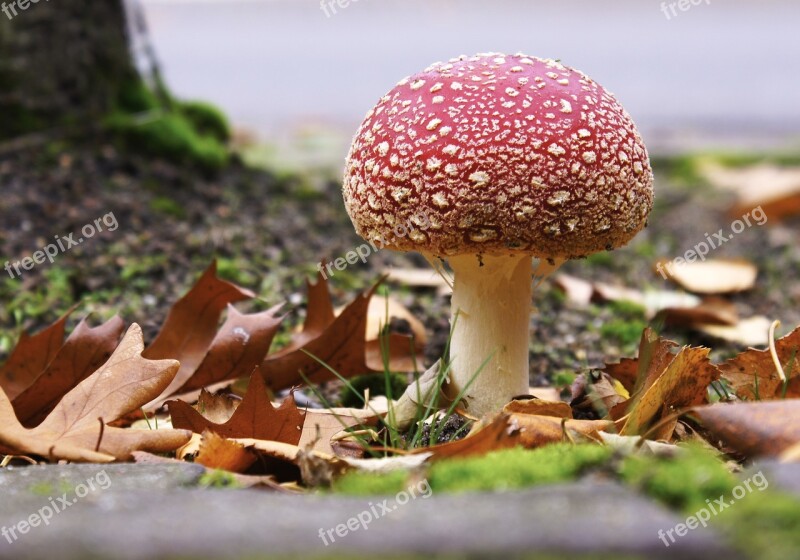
682,482
500,470
168,135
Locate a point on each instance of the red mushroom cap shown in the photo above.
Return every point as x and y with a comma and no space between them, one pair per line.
499,154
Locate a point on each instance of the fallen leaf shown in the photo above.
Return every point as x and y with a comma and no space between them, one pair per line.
681,384
536,431
321,425
577,290
75,430
216,452
750,332
217,408
595,393
710,311
714,276
237,349
254,418
652,300
340,344
545,393
381,310
637,445
192,323
742,371
537,406
401,353
765,428
30,357
773,190
242,480
85,350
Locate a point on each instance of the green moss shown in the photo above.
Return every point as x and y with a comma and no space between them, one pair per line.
135,97
682,482
603,258
626,332
165,205
217,478
628,309
376,383
499,470
765,525
207,119
42,489
371,484
517,468
168,135
686,169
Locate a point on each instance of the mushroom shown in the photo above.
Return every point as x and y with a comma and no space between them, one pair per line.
510,158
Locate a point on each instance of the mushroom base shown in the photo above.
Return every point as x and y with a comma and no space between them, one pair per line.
491,309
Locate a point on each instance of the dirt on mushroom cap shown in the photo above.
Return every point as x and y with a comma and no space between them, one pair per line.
502,154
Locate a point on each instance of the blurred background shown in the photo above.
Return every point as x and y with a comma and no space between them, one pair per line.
301,74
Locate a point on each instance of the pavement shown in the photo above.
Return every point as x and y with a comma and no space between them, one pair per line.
131,512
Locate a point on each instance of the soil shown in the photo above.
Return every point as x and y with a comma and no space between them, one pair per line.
268,233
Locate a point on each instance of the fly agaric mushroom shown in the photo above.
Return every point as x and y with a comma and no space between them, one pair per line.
509,157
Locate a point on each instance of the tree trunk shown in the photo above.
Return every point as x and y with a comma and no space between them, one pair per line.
61,63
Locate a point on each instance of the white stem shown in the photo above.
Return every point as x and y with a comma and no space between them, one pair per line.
492,297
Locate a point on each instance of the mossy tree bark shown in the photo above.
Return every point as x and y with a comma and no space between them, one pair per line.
62,63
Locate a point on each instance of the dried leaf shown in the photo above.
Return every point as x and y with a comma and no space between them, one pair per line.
382,310
577,290
85,350
192,322
710,311
237,349
321,425
539,407
254,418
750,332
714,276
743,370
216,452
31,356
754,428
536,431
74,429
596,392
681,384
773,190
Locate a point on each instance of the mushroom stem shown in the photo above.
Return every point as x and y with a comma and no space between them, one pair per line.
492,300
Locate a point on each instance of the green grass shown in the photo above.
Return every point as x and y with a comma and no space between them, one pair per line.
376,383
